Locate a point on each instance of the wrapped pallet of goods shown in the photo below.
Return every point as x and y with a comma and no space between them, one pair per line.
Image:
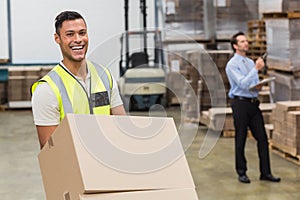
283,41
176,88
187,17
286,87
266,6
176,77
232,15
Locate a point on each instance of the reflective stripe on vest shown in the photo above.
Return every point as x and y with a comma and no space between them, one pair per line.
71,95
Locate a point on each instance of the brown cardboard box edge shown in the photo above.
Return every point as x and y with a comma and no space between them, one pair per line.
174,194
60,152
51,172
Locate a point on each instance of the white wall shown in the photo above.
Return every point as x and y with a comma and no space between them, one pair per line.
4,53
33,28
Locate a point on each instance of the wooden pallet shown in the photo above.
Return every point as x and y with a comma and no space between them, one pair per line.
3,107
289,15
4,60
256,24
231,133
285,154
192,120
228,133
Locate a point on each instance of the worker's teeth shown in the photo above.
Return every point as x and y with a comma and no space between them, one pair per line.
77,47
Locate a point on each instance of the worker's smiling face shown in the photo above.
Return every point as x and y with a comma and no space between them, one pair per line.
242,45
73,40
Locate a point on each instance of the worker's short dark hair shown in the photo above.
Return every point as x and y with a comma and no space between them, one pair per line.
64,16
233,39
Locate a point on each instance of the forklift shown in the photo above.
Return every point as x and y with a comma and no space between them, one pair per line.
142,80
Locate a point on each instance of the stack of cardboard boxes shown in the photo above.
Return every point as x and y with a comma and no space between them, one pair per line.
286,133
20,81
95,157
221,119
209,66
176,77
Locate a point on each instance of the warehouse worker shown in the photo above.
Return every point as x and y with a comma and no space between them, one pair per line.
75,85
242,73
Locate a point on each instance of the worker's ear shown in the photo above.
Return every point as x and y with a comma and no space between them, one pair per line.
235,46
57,38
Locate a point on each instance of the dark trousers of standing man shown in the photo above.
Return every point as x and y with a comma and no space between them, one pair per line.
246,113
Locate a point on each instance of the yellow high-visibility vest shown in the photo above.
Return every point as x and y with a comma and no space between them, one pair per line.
71,95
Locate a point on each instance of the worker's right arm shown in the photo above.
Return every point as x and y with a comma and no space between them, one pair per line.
45,112
44,133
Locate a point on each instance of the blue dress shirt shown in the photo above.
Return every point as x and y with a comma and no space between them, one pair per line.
242,74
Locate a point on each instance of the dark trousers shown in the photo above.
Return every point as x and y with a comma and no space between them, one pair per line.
247,114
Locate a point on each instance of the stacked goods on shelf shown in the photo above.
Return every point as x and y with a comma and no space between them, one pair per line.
208,82
176,78
220,119
20,81
286,87
256,38
232,15
192,102
206,19
290,5
4,61
187,18
257,48
45,70
283,41
286,133
283,54
209,66
3,85
3,98
176,88
266,6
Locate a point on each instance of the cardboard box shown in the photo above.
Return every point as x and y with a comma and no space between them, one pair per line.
180,194
95,154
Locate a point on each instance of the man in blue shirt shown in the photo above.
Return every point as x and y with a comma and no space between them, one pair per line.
242,73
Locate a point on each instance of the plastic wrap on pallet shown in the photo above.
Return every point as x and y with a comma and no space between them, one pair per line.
286,87
187,19
278,6
232,17
223,20
283,41
177,88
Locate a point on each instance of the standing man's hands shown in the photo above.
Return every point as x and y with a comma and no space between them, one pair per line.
259,64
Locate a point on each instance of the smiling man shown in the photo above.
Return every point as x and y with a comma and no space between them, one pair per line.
75,85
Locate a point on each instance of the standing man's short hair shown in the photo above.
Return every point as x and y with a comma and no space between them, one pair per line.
234,41
64,16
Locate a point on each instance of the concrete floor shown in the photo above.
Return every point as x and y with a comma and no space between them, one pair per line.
214,175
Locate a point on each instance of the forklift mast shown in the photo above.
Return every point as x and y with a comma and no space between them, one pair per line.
127,32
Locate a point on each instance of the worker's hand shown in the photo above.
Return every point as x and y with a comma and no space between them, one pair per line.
259,64
258,87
